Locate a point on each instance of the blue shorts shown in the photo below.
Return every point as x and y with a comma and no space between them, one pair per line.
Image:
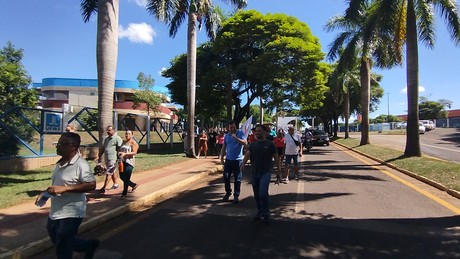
294,158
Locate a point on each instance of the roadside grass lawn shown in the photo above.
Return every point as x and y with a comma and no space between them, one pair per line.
443,172
20,187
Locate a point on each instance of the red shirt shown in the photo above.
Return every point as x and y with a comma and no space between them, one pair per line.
279,142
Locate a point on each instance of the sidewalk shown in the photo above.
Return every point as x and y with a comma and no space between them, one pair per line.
23,227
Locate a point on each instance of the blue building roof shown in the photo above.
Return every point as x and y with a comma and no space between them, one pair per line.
75,82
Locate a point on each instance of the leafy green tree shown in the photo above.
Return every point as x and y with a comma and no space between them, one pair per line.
409,21
210,92
385,118
430,110
14,91
197,12
106,55
146,95
273,56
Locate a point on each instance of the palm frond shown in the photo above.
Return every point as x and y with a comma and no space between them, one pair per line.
239,4
87,8
425,15
176,22
164,10
337,44
449,11
213,20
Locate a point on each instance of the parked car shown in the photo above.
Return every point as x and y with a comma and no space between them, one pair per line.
320,138
432,125
421,128
426,124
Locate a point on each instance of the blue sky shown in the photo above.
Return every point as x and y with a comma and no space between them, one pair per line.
57,43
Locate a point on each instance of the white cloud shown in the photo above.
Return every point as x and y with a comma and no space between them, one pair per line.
420,89
137,33
161,70
142,3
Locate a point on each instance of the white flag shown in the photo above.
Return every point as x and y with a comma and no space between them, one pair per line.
246,127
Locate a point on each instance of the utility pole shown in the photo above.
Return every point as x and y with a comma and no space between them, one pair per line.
388,99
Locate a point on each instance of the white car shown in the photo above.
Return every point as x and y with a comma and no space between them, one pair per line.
426,123
421,128
432,125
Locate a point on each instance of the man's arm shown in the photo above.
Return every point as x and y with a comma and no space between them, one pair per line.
79,188
241,141
246,157
223,152
278,165
300,146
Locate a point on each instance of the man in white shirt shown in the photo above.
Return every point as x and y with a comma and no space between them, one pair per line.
292,152
71,179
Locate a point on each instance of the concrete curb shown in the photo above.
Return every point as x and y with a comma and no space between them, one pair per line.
433,183
160,195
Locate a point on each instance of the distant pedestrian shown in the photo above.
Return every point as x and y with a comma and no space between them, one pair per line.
70,128
292,152
232,150
261,153
279,143
202,144
219,142
127,153
110,149
71,178
212,139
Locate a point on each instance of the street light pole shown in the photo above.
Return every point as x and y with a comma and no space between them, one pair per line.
388,99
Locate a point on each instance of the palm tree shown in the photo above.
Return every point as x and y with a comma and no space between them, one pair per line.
106,55
197,12
342,84
354,47
410,21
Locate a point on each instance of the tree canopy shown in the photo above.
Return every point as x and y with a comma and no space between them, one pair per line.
145,94
14,91
274,56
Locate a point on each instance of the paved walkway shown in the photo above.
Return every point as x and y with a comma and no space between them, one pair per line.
23,227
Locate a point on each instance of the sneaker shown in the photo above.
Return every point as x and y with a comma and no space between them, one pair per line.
296,177
134,188
236,200
102,190
93,245
285,180
258,216
115,186
226,196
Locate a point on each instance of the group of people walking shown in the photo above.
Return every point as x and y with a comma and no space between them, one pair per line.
73,177
264,152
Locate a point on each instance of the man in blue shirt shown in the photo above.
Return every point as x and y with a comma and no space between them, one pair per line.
232,150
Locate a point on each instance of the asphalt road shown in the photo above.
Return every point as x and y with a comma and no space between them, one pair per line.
440,143
344,206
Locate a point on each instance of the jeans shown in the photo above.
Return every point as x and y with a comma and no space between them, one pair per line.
125,176
62,233
233,167
260,183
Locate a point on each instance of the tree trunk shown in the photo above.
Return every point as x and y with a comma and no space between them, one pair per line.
346,111
106,58
412,136
228,90
191,81
365,74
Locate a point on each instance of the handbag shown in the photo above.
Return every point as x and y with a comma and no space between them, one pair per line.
297,143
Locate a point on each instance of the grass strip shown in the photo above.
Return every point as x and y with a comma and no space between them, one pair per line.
443,172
